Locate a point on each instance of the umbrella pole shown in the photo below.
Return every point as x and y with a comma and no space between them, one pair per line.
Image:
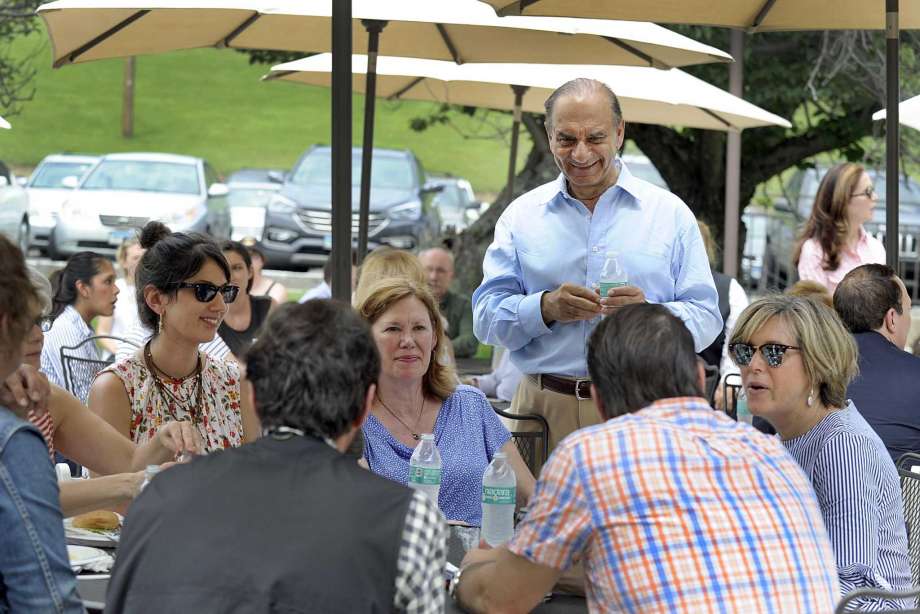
733,163
519,91
892,132
341,150
373,27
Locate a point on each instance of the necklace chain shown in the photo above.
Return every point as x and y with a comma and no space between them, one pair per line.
412,431
166,395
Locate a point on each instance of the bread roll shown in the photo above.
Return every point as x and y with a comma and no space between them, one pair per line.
98,519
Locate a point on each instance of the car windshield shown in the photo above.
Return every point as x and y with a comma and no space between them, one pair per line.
52,174
249,198
387,172
144,176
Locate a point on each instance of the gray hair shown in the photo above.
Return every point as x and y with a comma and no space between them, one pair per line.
42,288
582,86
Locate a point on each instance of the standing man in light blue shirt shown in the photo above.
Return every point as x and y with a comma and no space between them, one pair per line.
538,296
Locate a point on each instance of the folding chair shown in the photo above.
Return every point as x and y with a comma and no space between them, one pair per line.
910,494
533,445
846,603
79,371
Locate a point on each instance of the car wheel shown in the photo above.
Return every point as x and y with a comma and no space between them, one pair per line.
52,250
22,237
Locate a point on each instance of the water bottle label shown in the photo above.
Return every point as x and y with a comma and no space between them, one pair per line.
427,476
606,286
498,495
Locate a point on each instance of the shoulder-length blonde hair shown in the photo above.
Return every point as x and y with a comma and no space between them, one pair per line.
441,379
385,263
828,350
828,223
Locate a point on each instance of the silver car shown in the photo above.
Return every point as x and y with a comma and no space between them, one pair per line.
14,209
47,188
124,191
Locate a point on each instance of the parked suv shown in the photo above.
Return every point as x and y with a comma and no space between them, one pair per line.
790,212
298,227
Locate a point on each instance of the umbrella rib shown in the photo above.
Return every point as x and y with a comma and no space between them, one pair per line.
449,43
73,55
396,95
515,8
718,118
652,62
239,30
762,14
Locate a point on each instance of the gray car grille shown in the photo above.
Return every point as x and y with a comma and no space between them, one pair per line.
123,221
321,221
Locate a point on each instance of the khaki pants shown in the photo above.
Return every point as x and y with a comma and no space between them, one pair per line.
563,412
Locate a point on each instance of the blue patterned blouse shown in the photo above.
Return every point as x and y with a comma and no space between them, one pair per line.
467,432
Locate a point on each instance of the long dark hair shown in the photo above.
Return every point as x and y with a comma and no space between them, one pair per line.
171,257
82,266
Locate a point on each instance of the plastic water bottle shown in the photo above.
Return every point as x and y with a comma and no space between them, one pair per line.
612,275
149,473
742,412
425,468
499,493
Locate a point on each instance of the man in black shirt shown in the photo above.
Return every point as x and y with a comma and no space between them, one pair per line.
287,523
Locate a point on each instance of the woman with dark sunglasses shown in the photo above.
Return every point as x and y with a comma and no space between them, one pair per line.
834,241
796,360
183,289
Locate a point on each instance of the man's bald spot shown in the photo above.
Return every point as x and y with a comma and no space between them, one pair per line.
431,251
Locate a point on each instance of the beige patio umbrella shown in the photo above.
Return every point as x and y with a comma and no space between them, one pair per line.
665,97
4,124
763,16
908,113
459,31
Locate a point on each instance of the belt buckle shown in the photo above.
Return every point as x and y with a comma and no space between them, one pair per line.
578,383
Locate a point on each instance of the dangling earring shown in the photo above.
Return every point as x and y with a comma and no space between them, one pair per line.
811,398
163,318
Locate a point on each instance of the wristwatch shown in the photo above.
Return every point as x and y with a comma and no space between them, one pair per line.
454,583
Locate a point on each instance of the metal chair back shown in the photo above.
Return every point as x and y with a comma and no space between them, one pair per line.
533,445
80,371
849,601
712,382
731,390
910,494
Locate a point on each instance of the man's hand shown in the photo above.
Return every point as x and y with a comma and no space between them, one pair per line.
24,391
618,297
569,303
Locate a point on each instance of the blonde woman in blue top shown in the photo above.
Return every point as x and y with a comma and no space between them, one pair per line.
416,393
796,359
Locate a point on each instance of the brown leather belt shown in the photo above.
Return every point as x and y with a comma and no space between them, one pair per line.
578,388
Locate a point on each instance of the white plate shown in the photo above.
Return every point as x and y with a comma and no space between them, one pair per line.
81,556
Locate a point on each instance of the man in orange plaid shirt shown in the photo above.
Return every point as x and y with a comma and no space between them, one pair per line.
671,506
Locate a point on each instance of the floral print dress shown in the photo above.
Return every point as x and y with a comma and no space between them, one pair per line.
219,421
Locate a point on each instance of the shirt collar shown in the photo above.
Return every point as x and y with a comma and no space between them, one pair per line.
626,181
73,317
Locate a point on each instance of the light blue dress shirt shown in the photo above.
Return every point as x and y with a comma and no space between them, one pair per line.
546,238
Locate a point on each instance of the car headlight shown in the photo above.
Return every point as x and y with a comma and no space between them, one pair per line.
182,217
407,212
281,204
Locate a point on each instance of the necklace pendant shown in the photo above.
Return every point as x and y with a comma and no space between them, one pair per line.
415,436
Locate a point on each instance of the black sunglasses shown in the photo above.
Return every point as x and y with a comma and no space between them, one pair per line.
743,353
205,291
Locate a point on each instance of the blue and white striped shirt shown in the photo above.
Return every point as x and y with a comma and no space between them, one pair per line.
859,493
546,238
69,330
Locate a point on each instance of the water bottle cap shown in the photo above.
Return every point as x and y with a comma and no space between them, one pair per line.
427,436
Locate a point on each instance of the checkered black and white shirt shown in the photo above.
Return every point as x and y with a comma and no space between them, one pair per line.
422,553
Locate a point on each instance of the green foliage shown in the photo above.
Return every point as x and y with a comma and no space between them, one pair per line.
17,73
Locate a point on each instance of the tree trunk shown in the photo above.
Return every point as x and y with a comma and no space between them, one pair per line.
469,247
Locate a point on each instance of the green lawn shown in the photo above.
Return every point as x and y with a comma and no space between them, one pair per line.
211,103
